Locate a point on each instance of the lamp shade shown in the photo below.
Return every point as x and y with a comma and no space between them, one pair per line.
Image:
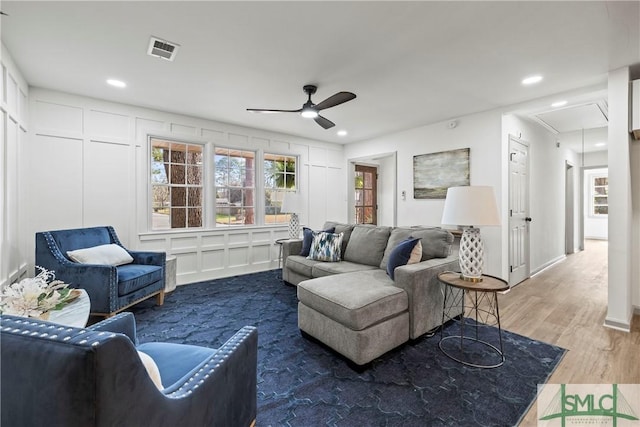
470,205
291,203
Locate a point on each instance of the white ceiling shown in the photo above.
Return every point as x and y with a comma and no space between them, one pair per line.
410,63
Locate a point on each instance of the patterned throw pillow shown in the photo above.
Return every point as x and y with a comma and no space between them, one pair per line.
401,255
326,247
307,238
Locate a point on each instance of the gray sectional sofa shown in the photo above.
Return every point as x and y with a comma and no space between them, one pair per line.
353,306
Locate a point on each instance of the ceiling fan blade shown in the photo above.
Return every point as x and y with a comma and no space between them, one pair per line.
333,100
325,123
265,110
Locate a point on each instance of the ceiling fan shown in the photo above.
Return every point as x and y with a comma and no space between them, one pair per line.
310,110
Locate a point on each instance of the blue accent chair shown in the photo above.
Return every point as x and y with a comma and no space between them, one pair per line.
110,289
54,375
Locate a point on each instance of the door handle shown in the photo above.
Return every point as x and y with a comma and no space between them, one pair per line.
528,219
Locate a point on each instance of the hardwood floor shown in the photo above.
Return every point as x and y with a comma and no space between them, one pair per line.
566,305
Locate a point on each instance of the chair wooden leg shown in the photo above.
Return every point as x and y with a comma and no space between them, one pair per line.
160,298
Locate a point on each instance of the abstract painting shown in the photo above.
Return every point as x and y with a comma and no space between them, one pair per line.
434,173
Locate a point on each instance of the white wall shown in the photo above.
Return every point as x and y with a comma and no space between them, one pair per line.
596,158
87,163
479,132
13,130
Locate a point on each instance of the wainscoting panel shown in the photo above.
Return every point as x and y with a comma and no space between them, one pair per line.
107,174
190,242
56,187
183,130
213,260
213,240
108,125
55,118
238,256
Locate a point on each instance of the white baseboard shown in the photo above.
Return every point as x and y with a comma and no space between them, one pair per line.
618,324
548,265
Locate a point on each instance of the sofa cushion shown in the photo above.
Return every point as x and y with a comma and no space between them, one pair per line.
328,268
401,254
367,244
326,247
300,265
436,242
356,300
132,277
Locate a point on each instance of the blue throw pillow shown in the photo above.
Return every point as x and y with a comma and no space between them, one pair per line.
307,239
400,255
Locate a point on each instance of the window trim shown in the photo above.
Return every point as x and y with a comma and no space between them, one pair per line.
205,175
296,175
593,195
256,156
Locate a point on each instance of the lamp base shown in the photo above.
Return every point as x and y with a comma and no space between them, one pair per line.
471,255
294,226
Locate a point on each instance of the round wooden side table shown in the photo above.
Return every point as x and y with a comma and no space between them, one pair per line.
479,304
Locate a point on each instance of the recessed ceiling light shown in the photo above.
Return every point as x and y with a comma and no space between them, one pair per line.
116,83
559,104
600,144
342,132
531,80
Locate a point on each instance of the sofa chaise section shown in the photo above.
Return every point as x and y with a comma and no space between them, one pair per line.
354,306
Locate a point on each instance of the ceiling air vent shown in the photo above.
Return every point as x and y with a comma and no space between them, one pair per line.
162,49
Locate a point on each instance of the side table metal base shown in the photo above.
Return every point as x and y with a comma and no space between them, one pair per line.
495,349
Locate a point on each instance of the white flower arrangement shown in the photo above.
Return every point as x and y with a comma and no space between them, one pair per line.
36,296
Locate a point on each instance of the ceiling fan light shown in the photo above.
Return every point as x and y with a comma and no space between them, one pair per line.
309,113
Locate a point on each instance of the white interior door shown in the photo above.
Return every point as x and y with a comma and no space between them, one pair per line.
519,219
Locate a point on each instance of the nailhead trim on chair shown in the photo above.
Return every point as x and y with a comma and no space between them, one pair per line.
214,362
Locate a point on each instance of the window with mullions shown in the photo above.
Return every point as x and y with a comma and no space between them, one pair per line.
599,195
176,184
279,178
234,186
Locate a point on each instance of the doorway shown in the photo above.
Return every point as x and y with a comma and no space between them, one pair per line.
366,197
519,219
569,227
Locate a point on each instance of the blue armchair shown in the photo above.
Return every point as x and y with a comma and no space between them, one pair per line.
54,375
111,289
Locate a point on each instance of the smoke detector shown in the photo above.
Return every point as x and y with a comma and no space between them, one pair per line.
162,48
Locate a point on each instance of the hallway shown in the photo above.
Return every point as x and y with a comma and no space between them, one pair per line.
566,305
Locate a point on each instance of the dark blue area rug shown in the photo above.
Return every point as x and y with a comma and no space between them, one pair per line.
304,383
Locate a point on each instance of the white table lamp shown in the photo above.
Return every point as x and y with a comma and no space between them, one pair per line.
292,204
471,206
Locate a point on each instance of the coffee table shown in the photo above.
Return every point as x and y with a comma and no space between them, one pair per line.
75,314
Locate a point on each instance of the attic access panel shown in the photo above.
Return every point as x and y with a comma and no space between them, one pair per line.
586,116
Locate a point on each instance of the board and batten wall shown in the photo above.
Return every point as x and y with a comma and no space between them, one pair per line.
13,133
87,163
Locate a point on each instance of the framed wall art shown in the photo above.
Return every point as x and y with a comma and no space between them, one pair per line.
434,173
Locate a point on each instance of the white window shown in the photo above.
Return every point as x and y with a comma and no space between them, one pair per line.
235,186
279,178
599,197
176,184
